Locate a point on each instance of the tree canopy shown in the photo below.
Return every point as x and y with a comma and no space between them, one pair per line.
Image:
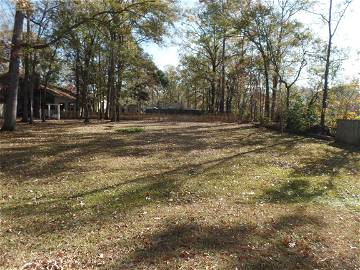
241,57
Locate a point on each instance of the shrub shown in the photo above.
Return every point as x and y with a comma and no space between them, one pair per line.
300,116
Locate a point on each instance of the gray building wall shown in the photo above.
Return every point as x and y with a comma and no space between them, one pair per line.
348,131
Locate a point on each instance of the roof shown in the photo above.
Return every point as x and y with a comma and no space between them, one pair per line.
69,93
58,91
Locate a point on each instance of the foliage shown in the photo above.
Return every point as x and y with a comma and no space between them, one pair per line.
237,57
344,102
300,116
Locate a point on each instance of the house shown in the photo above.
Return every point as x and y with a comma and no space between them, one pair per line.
53,99
57,100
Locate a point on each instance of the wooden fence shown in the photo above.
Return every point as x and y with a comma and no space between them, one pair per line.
208,117
348,131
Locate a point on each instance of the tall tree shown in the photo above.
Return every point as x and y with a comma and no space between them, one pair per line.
14,66
332,23
256,24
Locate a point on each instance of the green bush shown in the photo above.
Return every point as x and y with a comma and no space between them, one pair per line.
300,117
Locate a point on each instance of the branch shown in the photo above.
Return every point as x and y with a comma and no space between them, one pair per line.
81,22
347,4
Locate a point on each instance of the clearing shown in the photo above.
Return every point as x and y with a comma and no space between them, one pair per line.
174,195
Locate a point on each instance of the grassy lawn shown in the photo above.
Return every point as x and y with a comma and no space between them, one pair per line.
148,195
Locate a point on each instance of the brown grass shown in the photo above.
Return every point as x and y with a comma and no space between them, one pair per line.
176,196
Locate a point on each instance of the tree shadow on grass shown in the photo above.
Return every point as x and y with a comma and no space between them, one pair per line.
190,170
236,246
335,165
329,163
71,213
293,191
64,213
57,151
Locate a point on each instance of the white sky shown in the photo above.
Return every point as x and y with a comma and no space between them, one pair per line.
347,37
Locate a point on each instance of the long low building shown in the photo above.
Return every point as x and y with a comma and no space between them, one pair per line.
53,99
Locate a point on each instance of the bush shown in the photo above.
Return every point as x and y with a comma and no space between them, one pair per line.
300,117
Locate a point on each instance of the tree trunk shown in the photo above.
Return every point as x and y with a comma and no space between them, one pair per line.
12,91
26,82
230,95
31,89
85,99
85,102
111,88
118,90
261,101
267,89
327,69
107,110
287,98
274,96
222,94
213,89
100,95
43,116
25,86
85,81
102,105
77,83
212,97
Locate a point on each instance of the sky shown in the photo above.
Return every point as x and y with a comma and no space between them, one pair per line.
347,37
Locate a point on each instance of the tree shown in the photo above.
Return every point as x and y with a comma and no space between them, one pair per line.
14,66
344,102
255,23
206,36
332,26
143,20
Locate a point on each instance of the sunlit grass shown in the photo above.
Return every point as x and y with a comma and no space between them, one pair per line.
180,194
